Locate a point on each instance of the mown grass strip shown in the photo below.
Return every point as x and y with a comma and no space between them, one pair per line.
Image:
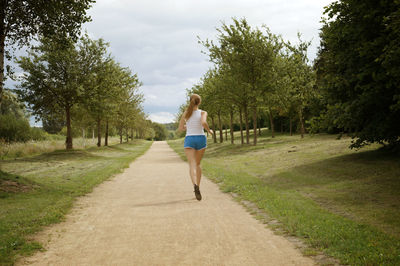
282,196
40,190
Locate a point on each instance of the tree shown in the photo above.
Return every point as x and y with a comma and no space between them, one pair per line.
357,69
301,80
52,80
161,132
128,113
249,54
21,20
100,85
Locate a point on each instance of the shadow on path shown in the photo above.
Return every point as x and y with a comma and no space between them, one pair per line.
191,200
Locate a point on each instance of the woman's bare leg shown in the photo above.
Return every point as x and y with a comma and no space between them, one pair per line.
191,157
198,156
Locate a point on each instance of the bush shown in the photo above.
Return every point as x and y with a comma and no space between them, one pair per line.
38,134
14,129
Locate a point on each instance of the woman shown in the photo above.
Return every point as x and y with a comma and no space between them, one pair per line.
195,140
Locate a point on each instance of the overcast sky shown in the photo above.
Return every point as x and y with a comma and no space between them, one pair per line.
157,39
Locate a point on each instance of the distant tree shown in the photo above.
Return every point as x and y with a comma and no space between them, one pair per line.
101,76
301,80
358,69
127,114
20,20
160,131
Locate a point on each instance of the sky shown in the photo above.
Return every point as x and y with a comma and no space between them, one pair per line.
158,39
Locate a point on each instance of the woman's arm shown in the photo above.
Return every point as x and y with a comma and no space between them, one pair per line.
182,126
204,122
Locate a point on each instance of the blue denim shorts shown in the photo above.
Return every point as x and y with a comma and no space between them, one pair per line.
197,142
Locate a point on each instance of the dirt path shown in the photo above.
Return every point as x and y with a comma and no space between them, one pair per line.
148,216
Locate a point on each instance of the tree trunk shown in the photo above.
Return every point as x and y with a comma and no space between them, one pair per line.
231,126
120,136
226,132
98,132
246,121
2,41
106,134
241,126
271,121
255,126
68,141
302,131
132,134
83,137
290,126
127,135
214,128
221,136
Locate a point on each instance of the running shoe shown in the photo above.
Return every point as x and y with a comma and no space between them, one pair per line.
197,192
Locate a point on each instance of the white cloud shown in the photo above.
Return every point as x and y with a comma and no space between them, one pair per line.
162,117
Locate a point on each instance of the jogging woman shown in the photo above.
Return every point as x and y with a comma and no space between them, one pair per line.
195,141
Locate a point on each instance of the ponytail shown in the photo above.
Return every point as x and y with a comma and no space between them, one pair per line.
194,101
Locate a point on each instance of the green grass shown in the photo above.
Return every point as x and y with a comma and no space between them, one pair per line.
343,202
56,142
39,190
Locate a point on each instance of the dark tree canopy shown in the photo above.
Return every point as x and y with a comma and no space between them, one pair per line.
358,69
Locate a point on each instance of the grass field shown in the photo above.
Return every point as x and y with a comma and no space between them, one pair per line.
39,190
21,149
343,202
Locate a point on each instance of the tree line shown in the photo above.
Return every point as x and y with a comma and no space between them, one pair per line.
259,79
70,81
78,79
256,76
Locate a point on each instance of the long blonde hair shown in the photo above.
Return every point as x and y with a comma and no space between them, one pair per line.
195,100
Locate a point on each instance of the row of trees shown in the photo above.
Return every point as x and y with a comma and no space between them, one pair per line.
256,75
352,87
66,80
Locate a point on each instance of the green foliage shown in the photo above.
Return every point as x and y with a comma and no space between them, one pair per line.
23,20
52,79
45,85
357,69
161,133
79,82
75,132
14,129
38,134
11,105
53,123
256,75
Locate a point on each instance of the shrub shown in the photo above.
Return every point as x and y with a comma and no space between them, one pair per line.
38,134
14,129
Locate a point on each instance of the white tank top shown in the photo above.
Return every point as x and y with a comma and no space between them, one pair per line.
193,124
